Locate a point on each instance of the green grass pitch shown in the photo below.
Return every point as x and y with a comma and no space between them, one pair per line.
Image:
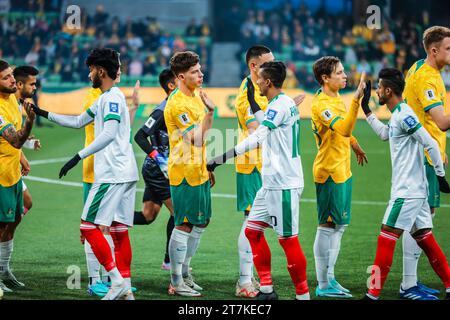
47,242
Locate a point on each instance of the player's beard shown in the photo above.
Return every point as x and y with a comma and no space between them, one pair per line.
96,82
8,90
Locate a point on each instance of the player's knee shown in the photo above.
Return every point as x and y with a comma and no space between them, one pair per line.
420,232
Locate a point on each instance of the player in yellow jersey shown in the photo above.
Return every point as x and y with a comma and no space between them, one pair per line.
425,93
99,286
248,165
188,116
12,138
332,126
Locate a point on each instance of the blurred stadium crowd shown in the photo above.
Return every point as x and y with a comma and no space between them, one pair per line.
296,35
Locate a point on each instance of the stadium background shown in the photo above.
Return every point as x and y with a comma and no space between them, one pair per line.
147,33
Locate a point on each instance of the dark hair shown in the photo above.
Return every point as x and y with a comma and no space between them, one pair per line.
182,61
105,58
23,72
324,66
255,52
275,71
3,65
165,77
435,34
393,79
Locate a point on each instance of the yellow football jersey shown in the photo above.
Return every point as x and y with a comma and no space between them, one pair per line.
333,156
10,115
88,163
186,161
425,90
247,162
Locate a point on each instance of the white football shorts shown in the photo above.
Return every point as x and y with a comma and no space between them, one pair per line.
408,214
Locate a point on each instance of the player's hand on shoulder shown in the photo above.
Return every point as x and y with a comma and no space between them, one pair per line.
443,184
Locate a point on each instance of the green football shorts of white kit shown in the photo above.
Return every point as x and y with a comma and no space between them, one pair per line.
408,214
108,202
278,208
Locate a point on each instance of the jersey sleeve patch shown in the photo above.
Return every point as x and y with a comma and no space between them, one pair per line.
327,115
113,107
271,114
411,122
184,118
150,122
2,121
429,94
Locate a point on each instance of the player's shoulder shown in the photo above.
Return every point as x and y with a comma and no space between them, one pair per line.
244,84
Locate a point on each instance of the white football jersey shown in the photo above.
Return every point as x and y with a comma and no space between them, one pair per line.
282,165
407,155
116,162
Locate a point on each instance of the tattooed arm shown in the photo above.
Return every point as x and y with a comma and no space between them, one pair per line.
18,138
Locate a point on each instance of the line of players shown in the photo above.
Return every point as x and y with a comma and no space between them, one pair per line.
186,121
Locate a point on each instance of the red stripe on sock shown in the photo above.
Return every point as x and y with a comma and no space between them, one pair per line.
383,261
296,263
261,255
122,248
436,257
99,245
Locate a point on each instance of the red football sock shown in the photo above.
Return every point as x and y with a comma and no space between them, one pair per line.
436,257
99,244
260,249
122,248
383,260
296,262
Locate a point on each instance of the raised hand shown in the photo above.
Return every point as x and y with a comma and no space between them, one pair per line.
207,101
31,115
367,92
135,95
362,85
299,99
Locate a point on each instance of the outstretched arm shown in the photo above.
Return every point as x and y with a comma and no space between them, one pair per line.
71,121
379,127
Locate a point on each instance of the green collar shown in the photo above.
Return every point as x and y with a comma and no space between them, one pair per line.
276,97
397,107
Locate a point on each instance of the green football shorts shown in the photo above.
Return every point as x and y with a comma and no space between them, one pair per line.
247,185
11,202
334,201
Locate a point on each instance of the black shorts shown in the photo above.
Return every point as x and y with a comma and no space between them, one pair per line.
157,188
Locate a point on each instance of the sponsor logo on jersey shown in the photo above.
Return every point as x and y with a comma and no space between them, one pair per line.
271,114
327,115
114,107
184,118
429,94
410,121
2,121
150,122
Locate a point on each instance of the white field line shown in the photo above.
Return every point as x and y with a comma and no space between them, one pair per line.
214,195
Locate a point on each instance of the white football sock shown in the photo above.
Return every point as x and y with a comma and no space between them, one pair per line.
411,255
177,253
128,281
335,247
192,246
321,254
6,250
92,263
245,257
266,289
304,296
116,277
105,274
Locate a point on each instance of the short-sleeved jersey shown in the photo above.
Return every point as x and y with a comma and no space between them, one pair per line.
88,163
156,129
10,116
116,162
408,172
425,90
282,165
247,162
333,156
186,161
